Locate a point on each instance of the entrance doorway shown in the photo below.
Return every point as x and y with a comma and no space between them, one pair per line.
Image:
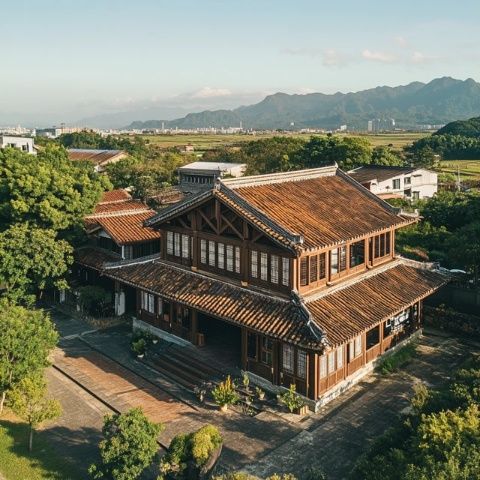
223,341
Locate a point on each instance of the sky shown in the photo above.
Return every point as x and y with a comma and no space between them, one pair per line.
70,60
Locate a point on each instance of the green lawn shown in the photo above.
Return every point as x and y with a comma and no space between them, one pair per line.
206,142
17,463
469,169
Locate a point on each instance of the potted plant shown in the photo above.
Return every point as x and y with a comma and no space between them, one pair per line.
293,401
260,393
200,393
139,347
225,394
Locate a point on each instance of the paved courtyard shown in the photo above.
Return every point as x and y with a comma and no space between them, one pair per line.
102,377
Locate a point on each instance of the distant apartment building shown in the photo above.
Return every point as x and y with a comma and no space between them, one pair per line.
381,125
397,182
202,175
55,132
25,144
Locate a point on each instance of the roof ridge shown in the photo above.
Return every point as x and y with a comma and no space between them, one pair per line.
120,213
280,177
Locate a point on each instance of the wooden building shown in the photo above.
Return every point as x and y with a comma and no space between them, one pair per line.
297,271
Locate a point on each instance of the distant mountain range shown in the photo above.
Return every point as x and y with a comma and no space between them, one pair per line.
440,101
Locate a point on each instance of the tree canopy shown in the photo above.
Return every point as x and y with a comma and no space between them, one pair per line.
47,190
33,259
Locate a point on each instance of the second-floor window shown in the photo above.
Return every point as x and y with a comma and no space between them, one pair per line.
219,255
382,245
357,253
178,245
270,268
338,260
396,184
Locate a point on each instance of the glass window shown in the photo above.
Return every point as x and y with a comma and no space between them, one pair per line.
373,337
211,253
382,245
285,271
230,258
237,259
301,364
254,263
287,358
263,266
313,268
176,244
357,253
170,243
358,346
148,302
321,273
387,243
323,366
396,184
340,357
331,362
343,258
185,245
203,251
334,261
221,255
407,180
160,306
303,271
274,268
266,351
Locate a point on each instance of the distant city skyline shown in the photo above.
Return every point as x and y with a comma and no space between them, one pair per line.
64,61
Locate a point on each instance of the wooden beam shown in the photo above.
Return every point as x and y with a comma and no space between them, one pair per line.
207,220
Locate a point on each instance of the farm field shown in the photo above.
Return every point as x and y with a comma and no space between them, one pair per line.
469,169
202,142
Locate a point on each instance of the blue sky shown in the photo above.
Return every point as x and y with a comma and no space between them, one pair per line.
65,60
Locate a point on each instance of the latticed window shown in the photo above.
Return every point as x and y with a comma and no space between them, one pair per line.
343,258
387,243
303,271
285,271
254,263
340,357
230,258
185,245
211,253
274,269
322,272
266,351
331,362
334,261
301,364
170,243
148,302
323,366
237,259
221,255
358,346
176,245
203,251
263,266
313,268
288,358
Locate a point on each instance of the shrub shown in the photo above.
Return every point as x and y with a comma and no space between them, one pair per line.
139,346
397,359
225,393
193,449
94,300
291,399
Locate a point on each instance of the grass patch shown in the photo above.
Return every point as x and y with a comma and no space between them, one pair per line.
398,359
468,169
17,463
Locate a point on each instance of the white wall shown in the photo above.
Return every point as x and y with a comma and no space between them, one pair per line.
422,181
22,143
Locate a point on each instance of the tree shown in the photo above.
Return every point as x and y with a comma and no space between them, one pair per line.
28,401
383,155
129,446
464,248
33,259
47,190
27,338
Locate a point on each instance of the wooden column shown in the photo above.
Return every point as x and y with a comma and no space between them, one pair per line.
380,336
194,327
392,243
311,376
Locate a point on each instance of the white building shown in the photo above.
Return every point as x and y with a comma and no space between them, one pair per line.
199,175
25,144
397,182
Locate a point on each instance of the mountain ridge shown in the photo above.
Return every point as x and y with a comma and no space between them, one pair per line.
439,101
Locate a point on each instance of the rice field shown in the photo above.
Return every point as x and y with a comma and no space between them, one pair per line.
468,169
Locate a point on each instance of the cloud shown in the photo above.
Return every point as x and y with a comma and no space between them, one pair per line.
401,41
330,56
419,58
208,92
383,57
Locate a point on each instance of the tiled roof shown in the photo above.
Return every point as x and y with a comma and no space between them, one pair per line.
271,315
378,172
333,318
96,156
95,257
128,229
118,208
114,196
356,307
301,210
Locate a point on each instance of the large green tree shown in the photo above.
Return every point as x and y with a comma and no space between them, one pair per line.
128,447
32,259
26,340
47,190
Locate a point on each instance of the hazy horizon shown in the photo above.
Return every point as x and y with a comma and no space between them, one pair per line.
65,61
